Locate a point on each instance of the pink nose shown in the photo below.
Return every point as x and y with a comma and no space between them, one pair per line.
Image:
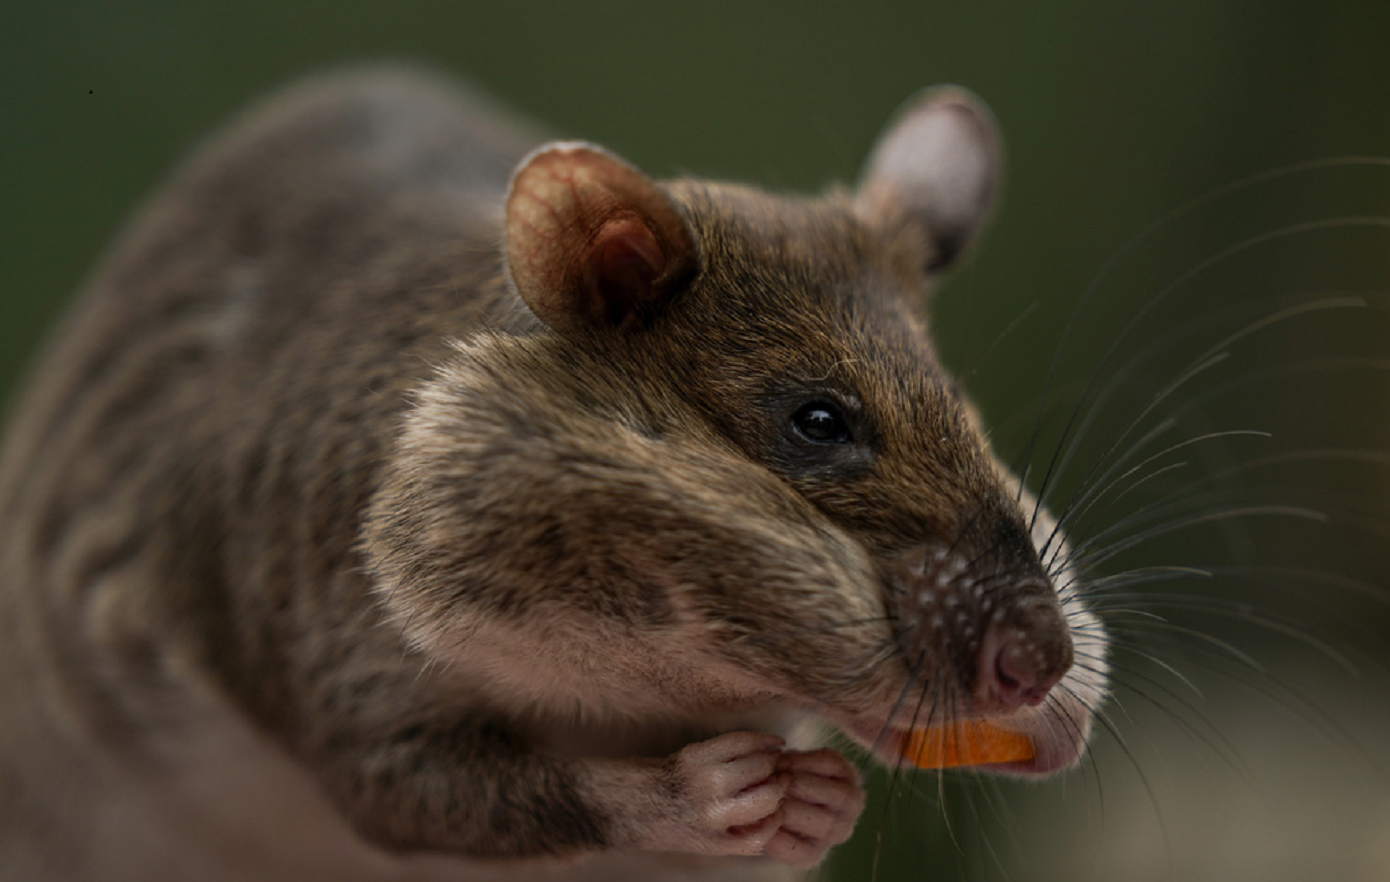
1018,667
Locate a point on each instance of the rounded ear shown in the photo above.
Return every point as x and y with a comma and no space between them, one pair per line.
590,240
936,166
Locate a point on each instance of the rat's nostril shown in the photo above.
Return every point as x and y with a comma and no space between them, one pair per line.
1018,683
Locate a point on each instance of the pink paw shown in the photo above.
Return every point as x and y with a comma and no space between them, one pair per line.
742,793
823,801
729,790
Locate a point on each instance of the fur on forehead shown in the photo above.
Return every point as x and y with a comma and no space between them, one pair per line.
799,285
810,242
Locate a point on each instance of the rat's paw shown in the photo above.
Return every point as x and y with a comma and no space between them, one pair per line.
727,792
823,801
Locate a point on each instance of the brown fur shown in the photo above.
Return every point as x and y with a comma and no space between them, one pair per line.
303,462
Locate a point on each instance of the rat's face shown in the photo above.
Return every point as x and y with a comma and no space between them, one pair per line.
791,332
801,341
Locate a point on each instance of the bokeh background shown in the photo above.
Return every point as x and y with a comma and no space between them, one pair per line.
1249,732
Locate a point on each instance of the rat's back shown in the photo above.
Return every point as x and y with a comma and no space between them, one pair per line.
220,335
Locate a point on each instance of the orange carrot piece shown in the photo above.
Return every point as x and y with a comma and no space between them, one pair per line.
968,743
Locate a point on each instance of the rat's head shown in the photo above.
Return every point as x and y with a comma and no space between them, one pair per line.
794,331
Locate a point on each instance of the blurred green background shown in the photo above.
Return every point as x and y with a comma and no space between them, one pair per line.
1253,711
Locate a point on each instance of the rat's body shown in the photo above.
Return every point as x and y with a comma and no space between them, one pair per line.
327,555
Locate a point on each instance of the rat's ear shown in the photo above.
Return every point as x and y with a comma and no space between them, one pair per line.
590,240
935,166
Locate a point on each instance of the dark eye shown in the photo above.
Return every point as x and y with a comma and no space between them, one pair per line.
822,422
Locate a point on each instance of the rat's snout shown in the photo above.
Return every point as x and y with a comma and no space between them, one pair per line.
983,623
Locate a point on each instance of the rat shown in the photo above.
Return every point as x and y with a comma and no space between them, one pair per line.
408,496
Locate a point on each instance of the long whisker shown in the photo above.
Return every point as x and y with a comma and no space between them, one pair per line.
1084,501
1143,236
1208,734
1212,356
1163,294
1095,556
1109,726
1144,575
1285,696
1243,613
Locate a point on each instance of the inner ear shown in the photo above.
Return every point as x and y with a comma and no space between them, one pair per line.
936,166
591,241
623,267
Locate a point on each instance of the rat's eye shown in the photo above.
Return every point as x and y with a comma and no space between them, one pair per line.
822,422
